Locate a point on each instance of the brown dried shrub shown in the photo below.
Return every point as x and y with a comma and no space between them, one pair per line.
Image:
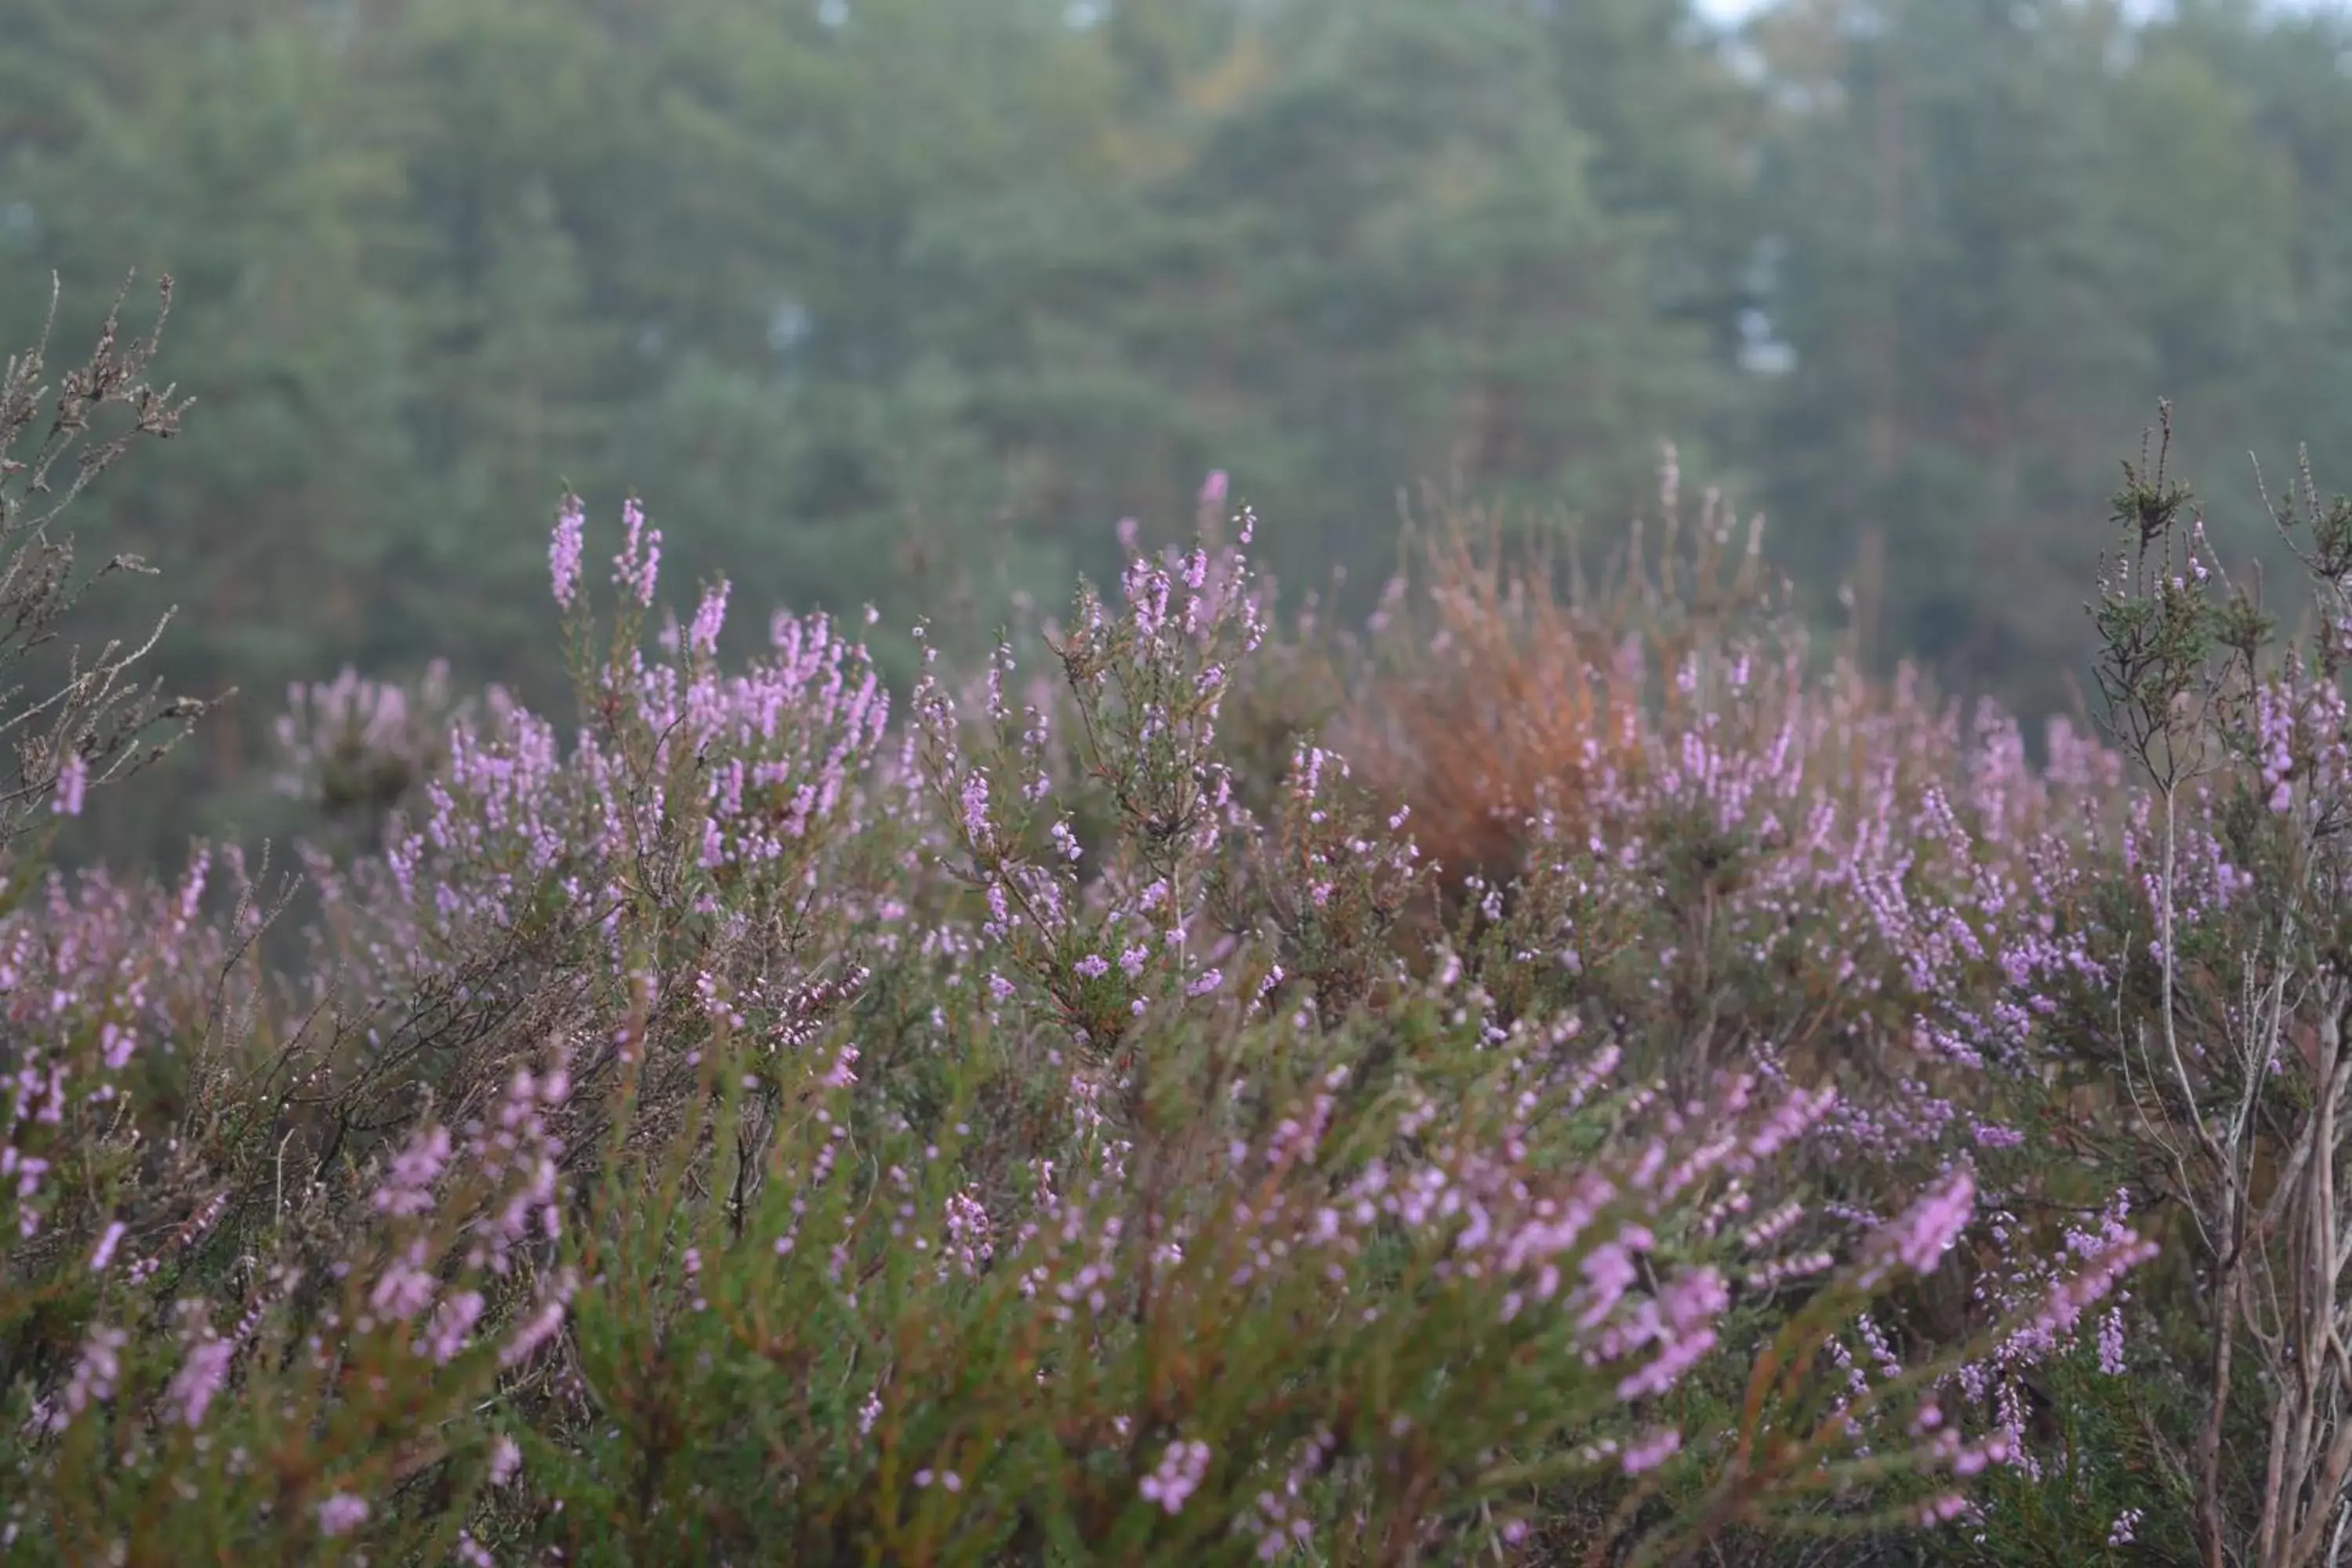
1510,686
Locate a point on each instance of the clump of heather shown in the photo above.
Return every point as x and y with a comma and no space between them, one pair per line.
1733,857
733,1123
1747,861
275,1411
1712,834
360,748
1174,1246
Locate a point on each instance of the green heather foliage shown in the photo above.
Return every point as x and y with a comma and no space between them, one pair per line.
755,1121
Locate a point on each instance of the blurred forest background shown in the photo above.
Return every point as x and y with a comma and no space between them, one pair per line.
908,301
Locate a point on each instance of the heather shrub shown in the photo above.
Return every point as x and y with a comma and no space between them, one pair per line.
1752,848
2176,998
758,1131
1069,1114
1763,860
360,752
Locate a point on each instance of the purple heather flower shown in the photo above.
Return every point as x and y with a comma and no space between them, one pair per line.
73,786
563,551
104,1253
709,617
1181,1469
639,566
1926,1231
342,1514
405,1287
1651,1451
200,1378
452,1326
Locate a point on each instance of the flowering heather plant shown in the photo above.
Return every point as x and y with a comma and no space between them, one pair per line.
1239,1292
732,1127
1792,870
280,1410
358,748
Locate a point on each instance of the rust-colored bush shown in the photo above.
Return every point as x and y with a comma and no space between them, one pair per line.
1508,687
1498,701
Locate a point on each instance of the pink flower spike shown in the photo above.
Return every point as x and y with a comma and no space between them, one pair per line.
1653,1450
104,1253
73,786
342,1514
563,551
1928,1230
